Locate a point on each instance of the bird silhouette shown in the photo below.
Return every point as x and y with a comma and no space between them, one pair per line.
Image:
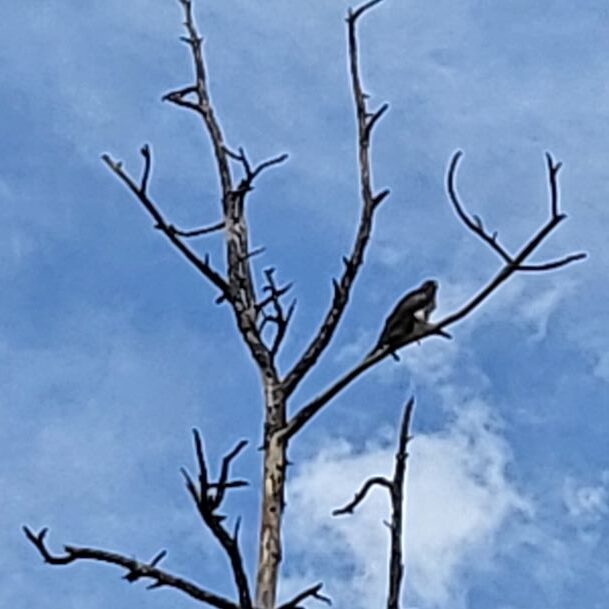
415,306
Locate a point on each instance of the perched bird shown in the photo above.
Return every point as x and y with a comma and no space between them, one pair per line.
415,307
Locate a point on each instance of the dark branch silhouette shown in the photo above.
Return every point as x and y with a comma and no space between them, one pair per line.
208,498
361,494
312,592
135,570
197,232
370,202
140,192
395,486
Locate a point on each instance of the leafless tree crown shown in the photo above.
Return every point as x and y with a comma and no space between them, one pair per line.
262,317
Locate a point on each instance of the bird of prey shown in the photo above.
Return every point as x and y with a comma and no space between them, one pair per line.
414,308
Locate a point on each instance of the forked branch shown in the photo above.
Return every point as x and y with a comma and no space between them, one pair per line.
135,570
251,173
512,264
515,263
141,193
395,486
366,121
208,497
312,592
272,310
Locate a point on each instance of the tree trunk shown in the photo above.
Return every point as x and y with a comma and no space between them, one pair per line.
269,554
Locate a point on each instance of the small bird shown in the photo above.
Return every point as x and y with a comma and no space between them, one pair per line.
415,307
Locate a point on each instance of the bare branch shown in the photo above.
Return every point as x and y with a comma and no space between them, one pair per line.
135,570
307,412
139,191
145,152
375,117
312,592
203,104
207,504
279,317
358,12
198,231
553,169
249,174
342,288
269,163
553,264
474,224
361,495
515,264
395,486
236,230
396,565
223,482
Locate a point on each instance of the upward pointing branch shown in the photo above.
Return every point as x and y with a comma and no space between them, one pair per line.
395,486
342,288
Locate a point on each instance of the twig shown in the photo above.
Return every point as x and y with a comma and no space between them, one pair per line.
223,482
135,570
312,592
361,494
198,231
279,317
249,174
370,201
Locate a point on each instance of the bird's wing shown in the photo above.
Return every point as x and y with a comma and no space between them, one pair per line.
412,302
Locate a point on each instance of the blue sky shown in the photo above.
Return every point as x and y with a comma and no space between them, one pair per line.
111,348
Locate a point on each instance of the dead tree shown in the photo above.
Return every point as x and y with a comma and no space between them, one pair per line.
262,319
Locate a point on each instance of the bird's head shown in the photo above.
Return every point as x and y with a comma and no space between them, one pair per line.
430,286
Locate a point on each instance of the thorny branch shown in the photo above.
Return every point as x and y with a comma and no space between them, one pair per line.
238,254
395,486
135,570
512,264
366,121
208,497
238,288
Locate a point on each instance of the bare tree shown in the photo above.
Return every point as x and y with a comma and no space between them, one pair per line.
262,319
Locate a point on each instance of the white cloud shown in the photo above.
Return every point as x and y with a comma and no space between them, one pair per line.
459,499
